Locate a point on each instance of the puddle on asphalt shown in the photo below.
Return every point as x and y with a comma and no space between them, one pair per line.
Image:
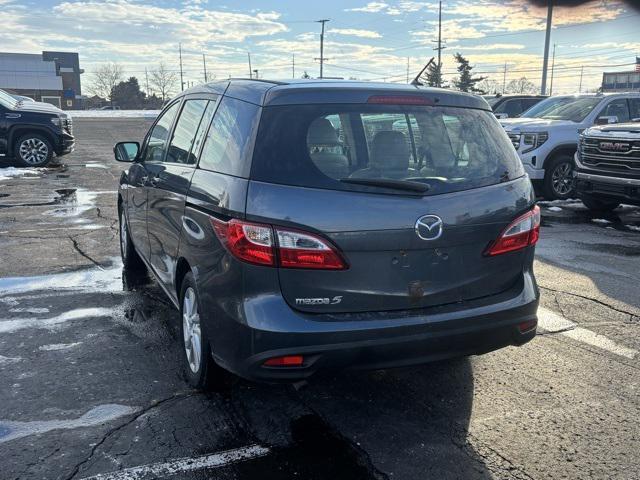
317,452
11,430
63,196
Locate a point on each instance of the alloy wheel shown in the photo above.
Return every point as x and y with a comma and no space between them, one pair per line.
33,151
562,178
191,329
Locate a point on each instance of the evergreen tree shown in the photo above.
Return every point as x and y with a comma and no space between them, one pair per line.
466,82
127,95
433,75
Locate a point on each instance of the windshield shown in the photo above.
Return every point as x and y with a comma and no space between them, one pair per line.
369,147
574,109
7,100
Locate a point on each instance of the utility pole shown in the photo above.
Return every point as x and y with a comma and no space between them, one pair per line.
256,72
545,63
181,77
581,71
439,48
146,79
293,65
322,59
553,66
250,70
204,64
504,78
407,69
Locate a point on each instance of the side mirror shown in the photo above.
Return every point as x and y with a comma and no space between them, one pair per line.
126,151
606,120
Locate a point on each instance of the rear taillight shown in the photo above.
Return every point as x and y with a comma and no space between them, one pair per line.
250,242
522,232
255,243
286,361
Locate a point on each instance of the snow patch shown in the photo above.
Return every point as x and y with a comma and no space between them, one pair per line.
10,430
29,310
554,209
10,325
113,113
6,360
13,172
58,346
634,228
600,220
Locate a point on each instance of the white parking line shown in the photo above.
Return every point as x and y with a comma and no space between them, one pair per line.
551,322
181,465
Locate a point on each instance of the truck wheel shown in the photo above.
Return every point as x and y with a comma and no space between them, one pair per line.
558,178
599,205
33,150
201,370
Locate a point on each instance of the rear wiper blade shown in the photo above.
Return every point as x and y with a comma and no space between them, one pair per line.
389,183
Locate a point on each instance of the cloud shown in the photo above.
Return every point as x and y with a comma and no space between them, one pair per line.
490,46
371,7
452,30
354,32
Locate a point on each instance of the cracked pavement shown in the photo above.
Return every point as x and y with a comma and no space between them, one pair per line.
96,386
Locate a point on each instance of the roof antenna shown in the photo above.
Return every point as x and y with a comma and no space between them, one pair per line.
416,81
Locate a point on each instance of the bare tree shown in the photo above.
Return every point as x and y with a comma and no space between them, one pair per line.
164,80
490,86
104,79
521,85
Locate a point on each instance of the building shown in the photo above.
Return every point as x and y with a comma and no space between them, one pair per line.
52,77
622,81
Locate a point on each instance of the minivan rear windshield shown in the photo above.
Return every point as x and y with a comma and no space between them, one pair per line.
383,148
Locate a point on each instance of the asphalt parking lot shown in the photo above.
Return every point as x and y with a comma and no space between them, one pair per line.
90,385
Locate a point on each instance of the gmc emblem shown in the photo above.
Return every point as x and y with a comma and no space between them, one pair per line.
615,146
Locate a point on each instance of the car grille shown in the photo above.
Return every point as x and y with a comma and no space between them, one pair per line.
611,155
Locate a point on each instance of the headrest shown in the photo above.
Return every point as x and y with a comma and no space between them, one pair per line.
321,132
389,151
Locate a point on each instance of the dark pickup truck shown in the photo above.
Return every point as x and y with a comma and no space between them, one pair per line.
32,132
608,166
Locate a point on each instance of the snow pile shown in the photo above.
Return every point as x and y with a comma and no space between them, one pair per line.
12,172
113,113
568,201
554,209
600,220
635,228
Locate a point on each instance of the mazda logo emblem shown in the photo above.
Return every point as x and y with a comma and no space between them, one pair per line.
429,227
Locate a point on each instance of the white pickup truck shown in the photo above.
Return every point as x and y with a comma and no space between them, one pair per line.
546,135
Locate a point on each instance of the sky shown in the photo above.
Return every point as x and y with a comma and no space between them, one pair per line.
375,40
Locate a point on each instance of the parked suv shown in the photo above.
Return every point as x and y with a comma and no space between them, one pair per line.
608,166
328,224
546,135
32,132
511,106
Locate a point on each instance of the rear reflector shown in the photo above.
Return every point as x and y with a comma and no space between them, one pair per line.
528,325
286,361
400,100
255,243
523,232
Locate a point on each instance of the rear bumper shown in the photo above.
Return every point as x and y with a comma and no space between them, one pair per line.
380,340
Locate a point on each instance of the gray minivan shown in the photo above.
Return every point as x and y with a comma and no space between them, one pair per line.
310,225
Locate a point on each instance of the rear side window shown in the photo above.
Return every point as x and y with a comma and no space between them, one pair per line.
227,145
448,148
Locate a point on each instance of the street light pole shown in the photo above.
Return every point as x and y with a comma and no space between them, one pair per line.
545,63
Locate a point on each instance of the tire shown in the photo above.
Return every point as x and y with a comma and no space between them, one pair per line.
130,259
558,178
599,205
200,369
33,150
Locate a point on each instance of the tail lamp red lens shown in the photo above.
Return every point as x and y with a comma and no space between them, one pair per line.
285,361
523,232
256,243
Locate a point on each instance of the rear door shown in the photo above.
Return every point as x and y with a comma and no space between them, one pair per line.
169,180
139,176
404,249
